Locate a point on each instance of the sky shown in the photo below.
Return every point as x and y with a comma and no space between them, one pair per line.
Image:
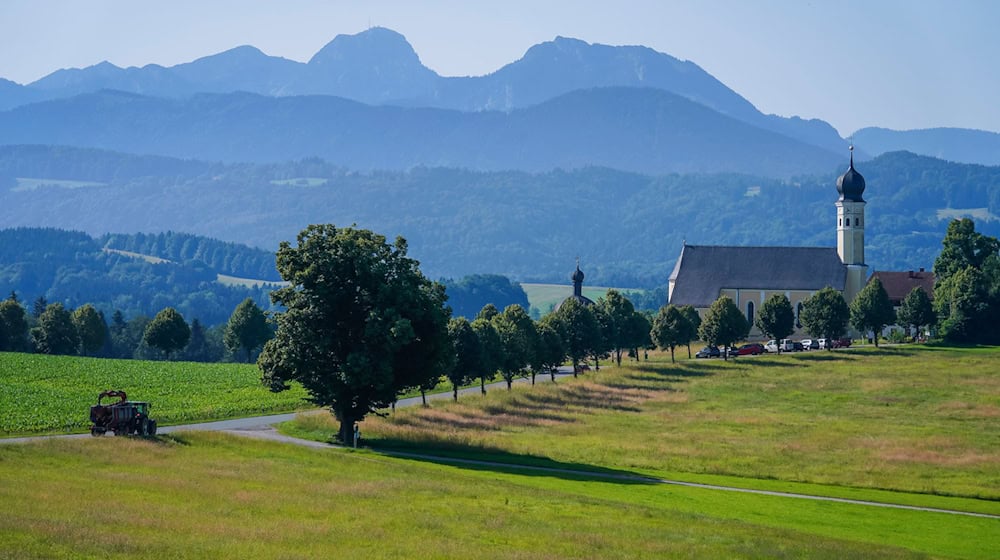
900,64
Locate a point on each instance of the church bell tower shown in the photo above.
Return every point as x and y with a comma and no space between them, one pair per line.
851,229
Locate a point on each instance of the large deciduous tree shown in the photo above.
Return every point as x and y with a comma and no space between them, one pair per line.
519,341
694,320
577,324
551,351
776,319
13,326
55,333
967,285
825,314
916,311
724,324
362,324
492,351
669,328
247,329
91,329
871,310
618,310
168,332
468,353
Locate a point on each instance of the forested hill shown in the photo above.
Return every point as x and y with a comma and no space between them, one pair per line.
627,228
231,259
73,269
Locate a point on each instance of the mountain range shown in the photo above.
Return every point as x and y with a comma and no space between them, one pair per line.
378,67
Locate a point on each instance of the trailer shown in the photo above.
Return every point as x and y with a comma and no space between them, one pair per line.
123,417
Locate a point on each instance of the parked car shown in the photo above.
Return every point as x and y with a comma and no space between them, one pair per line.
709,352
841,343
733,351
752,349
810,344
787,345
797,346
822,343
771,346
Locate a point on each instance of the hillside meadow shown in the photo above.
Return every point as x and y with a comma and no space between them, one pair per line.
921,420
48,394
204,495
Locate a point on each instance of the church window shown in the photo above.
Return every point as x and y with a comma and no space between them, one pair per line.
840,221
856,221
750,312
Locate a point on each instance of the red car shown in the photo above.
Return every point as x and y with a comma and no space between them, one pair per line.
841,343
751,349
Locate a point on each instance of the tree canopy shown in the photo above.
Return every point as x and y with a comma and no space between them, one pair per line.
247,329
916,310
362,324
724,324
871,309
776,319
825,314
168,332
670,328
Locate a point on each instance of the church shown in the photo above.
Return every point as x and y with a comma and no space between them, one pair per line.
750,275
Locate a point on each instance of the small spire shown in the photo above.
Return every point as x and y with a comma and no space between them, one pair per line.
851,148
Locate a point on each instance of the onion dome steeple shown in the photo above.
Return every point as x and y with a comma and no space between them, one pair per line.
851,185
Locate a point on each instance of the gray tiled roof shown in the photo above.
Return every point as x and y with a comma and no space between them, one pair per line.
702,271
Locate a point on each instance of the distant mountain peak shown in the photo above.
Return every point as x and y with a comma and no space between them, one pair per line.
377,44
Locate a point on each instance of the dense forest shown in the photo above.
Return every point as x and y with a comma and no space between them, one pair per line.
627,228
72,268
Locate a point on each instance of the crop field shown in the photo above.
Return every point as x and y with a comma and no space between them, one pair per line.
41,394
903,419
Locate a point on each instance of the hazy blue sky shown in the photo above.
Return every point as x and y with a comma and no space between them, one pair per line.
895,63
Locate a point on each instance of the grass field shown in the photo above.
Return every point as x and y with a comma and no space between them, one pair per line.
40,393
218,496
544,297
907,419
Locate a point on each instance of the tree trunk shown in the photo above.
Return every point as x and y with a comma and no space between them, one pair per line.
552,372
532,377
689,350
455,393
618,354
482,384
576,364
875,338
423,397
725,353
510,381
672,354
346,435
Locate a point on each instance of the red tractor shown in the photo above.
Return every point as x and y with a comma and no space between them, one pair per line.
123,417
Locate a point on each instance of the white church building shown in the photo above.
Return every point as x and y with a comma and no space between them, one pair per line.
750,275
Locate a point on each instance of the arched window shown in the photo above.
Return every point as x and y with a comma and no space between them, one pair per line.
798,311
750,313
840,221
857,221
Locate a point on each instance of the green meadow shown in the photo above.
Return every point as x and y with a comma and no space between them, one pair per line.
46,394
204,495
544,297
911,419
900,425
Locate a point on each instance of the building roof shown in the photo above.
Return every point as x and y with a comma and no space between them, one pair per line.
703,271
899,284
851,185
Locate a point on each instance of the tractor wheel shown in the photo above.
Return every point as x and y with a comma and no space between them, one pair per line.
96,432
152,427
144,427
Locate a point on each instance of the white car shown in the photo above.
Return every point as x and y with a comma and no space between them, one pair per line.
771,346
822,343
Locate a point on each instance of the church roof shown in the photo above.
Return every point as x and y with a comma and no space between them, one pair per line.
851,185
899,284
702,271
